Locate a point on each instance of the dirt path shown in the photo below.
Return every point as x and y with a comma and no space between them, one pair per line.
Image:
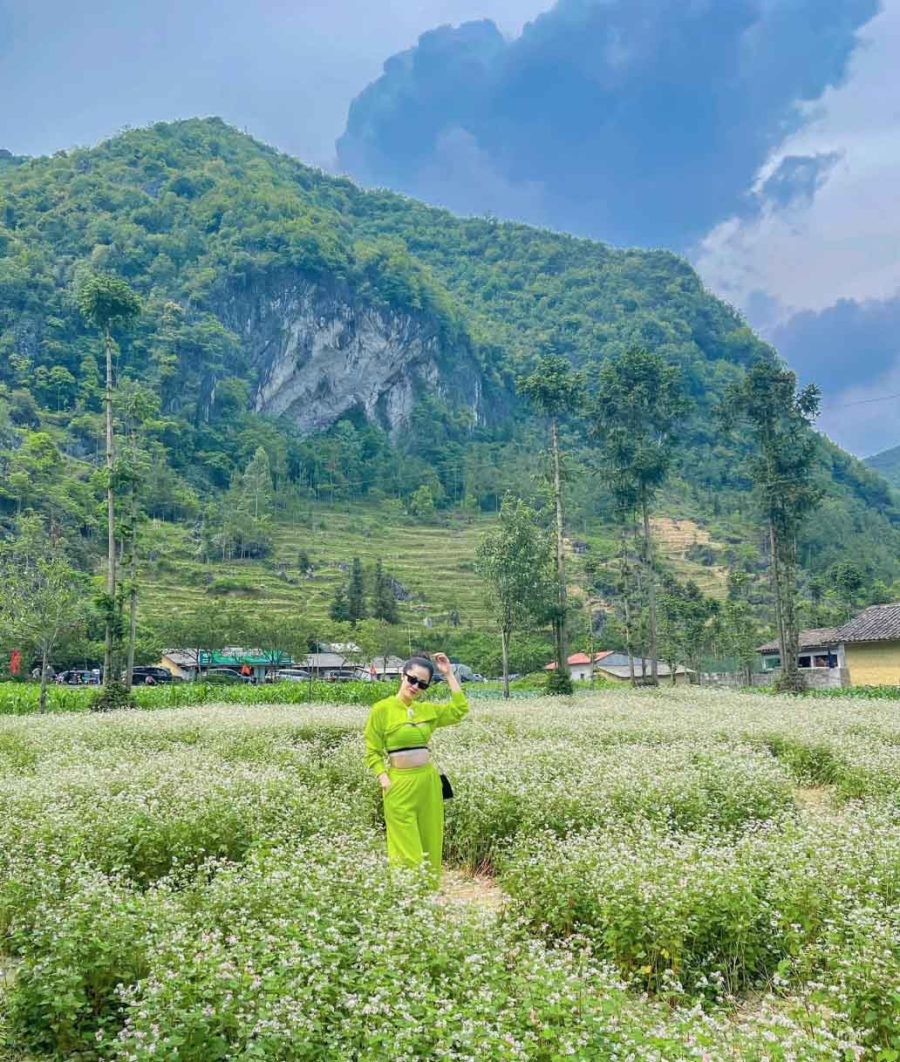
816,799
478,889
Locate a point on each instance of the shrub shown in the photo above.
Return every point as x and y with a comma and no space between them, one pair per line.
112,697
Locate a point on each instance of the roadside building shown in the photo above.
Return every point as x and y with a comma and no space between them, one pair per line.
871,646
865,651
190,664
614,666
820,658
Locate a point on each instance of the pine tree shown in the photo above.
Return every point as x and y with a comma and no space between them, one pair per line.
356,593
339,610
384,602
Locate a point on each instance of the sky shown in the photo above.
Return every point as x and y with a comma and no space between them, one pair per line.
286,70
761,138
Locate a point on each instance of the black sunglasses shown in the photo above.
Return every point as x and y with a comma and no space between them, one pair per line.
413,681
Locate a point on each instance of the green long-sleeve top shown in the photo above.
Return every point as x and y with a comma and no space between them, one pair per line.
389,726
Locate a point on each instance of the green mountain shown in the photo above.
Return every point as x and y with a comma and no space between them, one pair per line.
887,464
365,343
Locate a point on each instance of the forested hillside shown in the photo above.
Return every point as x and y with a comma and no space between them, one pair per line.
303,339
887,464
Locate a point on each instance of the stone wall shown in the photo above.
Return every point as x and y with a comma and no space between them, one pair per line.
815,678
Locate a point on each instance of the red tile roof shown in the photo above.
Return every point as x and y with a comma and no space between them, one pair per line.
580,658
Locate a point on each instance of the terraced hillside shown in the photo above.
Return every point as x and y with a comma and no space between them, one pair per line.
432,565
691,552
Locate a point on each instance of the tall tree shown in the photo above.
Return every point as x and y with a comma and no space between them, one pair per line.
637,406
555,389
780,418
107,302
516,562
42,601
137,405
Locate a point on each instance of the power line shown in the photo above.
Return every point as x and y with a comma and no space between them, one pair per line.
863,402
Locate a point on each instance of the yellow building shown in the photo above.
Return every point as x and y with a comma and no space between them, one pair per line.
871,646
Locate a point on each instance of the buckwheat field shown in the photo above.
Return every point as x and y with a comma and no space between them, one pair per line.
639,875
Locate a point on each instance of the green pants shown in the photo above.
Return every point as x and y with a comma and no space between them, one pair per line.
414,816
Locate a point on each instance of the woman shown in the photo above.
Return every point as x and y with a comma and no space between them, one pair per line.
398,730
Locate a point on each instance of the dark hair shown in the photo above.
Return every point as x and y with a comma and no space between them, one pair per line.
420,661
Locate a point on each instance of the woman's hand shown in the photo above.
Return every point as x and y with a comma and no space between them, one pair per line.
442,663
385,781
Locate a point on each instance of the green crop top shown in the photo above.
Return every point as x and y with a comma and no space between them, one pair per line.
389,726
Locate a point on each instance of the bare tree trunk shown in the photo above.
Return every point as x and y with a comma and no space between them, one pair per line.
132,593
626,601
108,661
560,626
504,651
777,587
132,633
45,664
791,678
651,591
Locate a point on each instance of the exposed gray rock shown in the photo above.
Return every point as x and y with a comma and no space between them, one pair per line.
321,352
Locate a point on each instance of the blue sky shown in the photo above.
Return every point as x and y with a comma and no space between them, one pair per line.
286,70
759,137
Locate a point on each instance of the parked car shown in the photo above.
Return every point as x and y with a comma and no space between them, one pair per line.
79,677
224,676
341,674
142,672
463,672
292,674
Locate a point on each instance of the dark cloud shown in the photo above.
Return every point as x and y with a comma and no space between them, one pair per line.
641,121
798,178
848,345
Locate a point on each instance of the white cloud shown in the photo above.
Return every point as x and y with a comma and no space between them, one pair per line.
845,242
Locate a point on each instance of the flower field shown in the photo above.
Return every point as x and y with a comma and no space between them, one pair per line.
685,874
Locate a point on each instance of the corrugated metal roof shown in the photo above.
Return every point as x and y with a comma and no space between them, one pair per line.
877,623
323,660
815,638
621,671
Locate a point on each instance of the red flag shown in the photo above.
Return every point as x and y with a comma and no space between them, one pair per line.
15,662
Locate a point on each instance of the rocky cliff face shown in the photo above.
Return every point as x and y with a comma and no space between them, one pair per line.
320,351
